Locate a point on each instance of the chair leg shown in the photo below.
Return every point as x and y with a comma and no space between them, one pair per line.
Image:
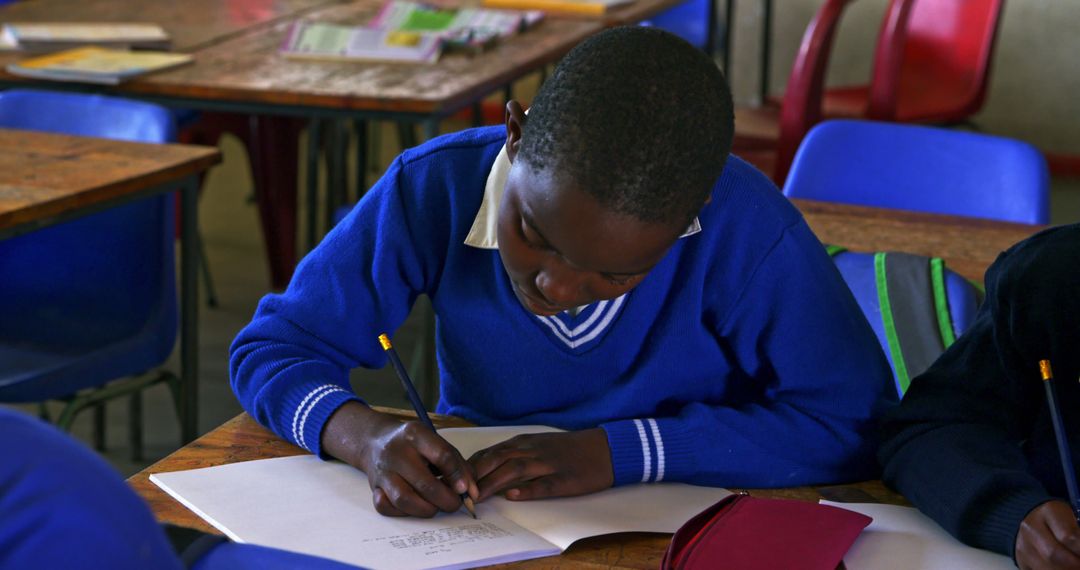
99,427
204,266
135,436
360,127
43,411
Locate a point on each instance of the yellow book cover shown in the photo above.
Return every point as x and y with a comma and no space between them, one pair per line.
579,7
96,65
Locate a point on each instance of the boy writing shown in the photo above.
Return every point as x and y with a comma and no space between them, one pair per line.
591,269
972,443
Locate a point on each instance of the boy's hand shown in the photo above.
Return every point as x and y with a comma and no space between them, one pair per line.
1049,538
397,457
545,465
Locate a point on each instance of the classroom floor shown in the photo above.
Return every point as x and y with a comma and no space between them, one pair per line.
234,247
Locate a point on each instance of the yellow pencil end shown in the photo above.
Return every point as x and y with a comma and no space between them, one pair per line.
385,342
1044,369
469,506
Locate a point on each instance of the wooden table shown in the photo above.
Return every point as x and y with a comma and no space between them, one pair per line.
48,178
242,439
968,245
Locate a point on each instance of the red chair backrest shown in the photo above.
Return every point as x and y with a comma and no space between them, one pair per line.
935,42
801,108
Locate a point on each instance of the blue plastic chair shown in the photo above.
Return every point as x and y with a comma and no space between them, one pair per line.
93,300
920,323
690,20
924,169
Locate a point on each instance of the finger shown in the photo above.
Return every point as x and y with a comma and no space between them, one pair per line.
383,505
1062,523
405,498
456,473
487,460
512,473
1050,552
416,473
541,488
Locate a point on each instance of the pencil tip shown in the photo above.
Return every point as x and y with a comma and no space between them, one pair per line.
470,507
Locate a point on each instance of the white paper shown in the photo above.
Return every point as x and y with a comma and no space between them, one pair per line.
324,508
902,538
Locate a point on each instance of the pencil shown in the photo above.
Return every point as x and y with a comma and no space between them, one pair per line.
417,404
1059,434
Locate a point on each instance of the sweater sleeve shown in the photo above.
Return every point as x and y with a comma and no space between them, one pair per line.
798,410
289,366
953,446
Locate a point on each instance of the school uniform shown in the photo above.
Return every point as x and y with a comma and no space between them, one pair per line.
741,359
972,444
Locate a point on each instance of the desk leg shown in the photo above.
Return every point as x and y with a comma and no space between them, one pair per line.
189,310
314,143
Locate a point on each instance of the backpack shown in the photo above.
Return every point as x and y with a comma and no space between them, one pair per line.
916,306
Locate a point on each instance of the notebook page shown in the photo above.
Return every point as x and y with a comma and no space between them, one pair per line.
662,507
323,508
902,538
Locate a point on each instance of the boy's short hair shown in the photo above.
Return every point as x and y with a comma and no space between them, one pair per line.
639,119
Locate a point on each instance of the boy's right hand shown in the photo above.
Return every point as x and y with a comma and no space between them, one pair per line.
1049,538
397,457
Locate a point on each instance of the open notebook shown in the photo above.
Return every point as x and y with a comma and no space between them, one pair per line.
902,538
324,508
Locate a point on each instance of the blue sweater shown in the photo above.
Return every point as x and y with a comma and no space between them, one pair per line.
741,359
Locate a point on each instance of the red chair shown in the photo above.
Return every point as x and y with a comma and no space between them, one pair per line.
931,64
768,137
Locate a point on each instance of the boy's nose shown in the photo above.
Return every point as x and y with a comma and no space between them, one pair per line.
560,286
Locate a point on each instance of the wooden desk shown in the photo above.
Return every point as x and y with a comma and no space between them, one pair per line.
48,178
192,24
968,245
242,439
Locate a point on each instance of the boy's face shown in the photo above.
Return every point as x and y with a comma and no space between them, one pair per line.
562,249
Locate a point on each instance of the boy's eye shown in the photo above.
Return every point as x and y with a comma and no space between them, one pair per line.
530,237
619,280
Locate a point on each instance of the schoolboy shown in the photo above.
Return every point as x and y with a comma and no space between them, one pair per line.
972,443
591,269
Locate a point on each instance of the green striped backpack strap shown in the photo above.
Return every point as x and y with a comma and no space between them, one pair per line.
914,311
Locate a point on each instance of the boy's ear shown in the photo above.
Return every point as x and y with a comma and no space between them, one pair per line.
515,123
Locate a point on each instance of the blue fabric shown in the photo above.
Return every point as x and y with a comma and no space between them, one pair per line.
233,556
741,359
93,299
63,507
922,168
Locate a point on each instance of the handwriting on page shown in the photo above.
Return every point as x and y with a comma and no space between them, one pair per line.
439,540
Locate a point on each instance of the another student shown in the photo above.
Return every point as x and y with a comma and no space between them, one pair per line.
972,444
595,266
61,506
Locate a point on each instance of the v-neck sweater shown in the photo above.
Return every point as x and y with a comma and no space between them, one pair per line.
741,359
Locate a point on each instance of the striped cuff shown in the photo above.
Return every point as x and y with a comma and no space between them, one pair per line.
637,451
306,410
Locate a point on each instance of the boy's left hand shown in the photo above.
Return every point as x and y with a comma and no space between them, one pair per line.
543,465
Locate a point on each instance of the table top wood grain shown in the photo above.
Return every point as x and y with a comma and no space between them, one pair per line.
968,245
45,175
191,24
249,68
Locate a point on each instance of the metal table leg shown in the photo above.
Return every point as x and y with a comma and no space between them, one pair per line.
189,310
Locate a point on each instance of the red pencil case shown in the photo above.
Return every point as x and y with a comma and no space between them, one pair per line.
749,533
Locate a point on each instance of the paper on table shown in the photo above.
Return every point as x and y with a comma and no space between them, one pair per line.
304,504
324,508
902,538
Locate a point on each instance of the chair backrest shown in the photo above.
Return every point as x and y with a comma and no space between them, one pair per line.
688,20
801,107
916,306
925,169
99,278
942,49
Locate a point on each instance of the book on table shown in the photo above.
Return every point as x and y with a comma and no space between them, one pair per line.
59,36
96,65
324,508
587,8
406,32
